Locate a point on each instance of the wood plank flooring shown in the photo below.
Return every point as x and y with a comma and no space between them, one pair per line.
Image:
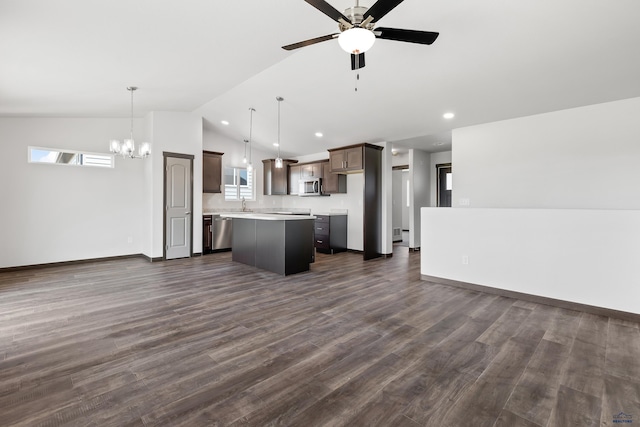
209,342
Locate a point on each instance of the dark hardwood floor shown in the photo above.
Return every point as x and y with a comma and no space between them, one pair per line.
209,342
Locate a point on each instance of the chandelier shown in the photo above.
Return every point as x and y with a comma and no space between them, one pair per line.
127,148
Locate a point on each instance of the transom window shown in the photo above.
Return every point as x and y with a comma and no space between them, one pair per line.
57,156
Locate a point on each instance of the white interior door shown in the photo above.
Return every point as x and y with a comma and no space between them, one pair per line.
178,218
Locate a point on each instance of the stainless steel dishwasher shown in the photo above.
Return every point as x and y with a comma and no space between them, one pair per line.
221,232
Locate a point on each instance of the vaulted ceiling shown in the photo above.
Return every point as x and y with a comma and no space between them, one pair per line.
494,60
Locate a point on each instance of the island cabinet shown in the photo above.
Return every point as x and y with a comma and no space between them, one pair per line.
276,180
347,159
333,183
211,172
282,244
294,180
330,233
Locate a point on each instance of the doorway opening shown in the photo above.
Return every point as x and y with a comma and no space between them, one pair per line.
444,185
401,203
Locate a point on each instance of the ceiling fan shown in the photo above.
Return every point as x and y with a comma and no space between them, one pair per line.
357,29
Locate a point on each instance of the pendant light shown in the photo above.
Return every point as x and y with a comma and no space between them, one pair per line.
278,159
127,147
249,164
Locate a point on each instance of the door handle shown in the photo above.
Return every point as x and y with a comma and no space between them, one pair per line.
187,213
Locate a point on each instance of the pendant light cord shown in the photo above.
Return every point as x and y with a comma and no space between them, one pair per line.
251,110
280,99
131,89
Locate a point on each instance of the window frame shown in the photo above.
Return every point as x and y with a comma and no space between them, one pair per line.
109,158
237,185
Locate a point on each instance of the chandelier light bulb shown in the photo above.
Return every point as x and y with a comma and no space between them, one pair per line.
356,40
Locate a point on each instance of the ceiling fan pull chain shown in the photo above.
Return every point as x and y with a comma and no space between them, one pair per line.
357,78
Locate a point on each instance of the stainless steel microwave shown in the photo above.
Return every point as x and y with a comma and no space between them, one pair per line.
310,187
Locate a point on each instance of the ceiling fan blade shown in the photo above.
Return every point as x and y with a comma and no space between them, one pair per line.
309,42
328,10
380,9
411,36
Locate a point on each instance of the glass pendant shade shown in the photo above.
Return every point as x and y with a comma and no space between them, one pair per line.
356,40
278,163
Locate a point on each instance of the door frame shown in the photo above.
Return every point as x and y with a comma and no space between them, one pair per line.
165,155
438,167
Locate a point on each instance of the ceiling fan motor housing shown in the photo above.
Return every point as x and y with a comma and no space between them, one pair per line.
355,15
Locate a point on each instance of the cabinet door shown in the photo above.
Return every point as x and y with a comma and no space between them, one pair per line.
211,172
312,170
294,180
333,183
279,179
336,160
353,158
206,233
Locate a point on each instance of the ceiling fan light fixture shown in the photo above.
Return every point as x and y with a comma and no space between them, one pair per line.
356,40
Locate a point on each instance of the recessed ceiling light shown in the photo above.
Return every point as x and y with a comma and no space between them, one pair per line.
448,115
275,144
224,122
319,134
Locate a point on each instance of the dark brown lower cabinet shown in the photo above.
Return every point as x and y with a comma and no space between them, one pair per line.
206,234
330,233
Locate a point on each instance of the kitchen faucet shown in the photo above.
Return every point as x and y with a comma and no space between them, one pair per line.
244,205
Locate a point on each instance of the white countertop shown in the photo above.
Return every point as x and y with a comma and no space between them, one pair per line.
265,216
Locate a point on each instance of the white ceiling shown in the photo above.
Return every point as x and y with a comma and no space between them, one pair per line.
494,59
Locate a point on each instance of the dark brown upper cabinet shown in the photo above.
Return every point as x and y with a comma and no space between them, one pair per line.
276,180
294,180
311,170
211,172
346,159
333,183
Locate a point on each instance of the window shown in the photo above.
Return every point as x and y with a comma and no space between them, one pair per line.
69,157
238,184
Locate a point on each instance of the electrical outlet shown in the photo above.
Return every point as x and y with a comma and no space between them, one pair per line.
464,202
129,239
465,259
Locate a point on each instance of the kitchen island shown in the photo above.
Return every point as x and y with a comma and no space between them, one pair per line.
282,244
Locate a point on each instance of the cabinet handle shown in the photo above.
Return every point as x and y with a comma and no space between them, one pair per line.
319,228
318,241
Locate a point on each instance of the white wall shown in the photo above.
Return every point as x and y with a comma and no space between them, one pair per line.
405,198
173,132
581,158
53,213
570,175
578,255
420,184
